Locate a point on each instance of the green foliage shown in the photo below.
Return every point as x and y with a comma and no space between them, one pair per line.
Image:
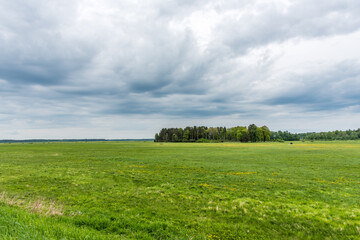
175,138
157,138
215,134
327,136
284,136
265,134
146,190
212,133
333,135
186,136
254,133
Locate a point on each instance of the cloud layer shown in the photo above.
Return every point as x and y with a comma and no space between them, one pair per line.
124,69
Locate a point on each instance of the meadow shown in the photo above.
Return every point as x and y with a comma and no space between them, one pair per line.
146,190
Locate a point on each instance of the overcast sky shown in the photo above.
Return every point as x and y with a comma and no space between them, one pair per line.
125,69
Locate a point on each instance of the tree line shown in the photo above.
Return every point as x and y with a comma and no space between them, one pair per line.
311,136
252,133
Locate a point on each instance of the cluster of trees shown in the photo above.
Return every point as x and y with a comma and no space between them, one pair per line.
331,135
285,136
252,133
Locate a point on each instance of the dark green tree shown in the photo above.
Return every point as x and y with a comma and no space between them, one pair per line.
254,135
186,135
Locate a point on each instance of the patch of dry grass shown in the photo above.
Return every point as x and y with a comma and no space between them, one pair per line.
40,206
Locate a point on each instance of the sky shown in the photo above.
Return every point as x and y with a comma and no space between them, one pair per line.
125,69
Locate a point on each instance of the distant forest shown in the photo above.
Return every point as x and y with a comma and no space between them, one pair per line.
327,136
252,133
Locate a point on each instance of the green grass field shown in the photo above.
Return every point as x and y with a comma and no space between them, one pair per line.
146,190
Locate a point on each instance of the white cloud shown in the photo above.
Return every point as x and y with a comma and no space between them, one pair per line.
65,65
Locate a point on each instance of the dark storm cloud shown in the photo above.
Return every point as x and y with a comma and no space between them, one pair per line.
77,59
33,49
